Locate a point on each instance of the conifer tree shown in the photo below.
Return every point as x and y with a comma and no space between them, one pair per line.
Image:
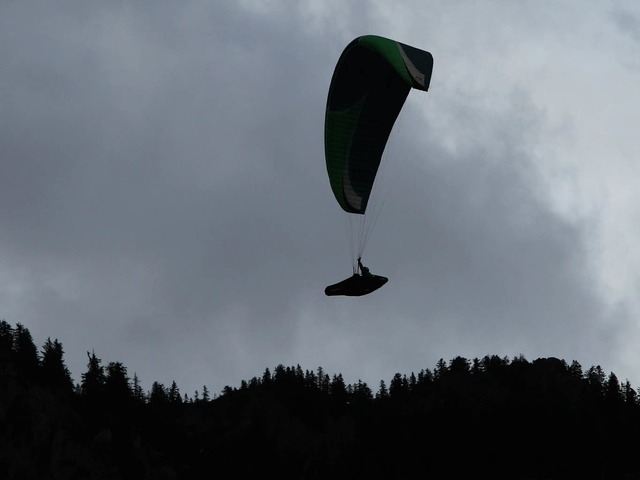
361,393
399,386
425,377
595,380
117,387
440,370
137,391
629,394
266,377
205,393
575,369
25,352
413,381
382,393
613,390
323,381
54,371
338,389
174,393
6,340
310,379
93,379
158,395
459,365
476,366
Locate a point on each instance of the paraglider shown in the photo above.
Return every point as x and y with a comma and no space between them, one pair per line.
360,283
370,84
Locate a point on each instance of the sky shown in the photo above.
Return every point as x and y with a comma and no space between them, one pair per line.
164,199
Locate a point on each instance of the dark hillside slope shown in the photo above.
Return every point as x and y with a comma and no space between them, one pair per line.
482,418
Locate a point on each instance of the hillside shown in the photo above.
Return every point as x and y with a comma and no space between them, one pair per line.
493,417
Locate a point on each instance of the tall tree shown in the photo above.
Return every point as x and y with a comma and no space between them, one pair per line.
595,380
93,380
174,393
137,391
54,371
25,352
158,395
575,369
629,394
440,369
117,388
266,376
382,393
6,341
361,393
323,381
613,390
459,365
205,394
399,387
338,389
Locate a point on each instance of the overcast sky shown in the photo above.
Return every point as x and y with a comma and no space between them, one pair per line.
164,197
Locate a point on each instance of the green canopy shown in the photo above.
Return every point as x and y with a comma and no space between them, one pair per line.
370,84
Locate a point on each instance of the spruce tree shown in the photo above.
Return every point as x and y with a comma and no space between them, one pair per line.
382,393
25,352
137,391
93,380
116,387
338,389
55,372
6,341
205,393
158,395
174,393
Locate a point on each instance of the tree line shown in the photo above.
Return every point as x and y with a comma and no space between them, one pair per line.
108,383
494,416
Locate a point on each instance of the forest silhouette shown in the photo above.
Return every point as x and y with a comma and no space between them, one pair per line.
491,417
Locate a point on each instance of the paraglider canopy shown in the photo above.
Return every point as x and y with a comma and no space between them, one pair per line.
370,84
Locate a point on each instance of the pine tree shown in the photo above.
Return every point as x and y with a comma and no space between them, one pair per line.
613,390
440,370
413,381
310,379
338,389
595,380
323,381
361,393
266,377
205,393
629,394
476,366
54,371
117,387
158,395
575,369
399,387
25,352
383,393
459,365
137,391
6,341
93,380
174,393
